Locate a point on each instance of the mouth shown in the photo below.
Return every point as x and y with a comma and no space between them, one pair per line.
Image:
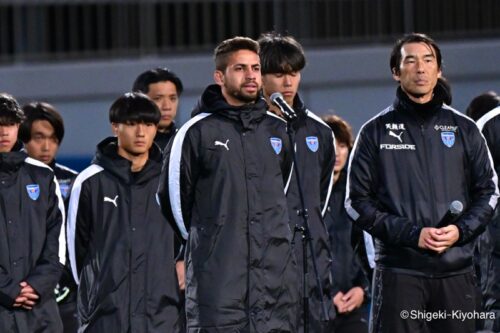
250,87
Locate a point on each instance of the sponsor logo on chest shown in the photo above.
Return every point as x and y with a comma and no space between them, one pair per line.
396,136
447,134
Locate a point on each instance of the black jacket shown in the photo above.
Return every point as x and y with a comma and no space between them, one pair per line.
66,288
31,215
489,243
223,188
162,138
121,247
408,164
347,271
315,156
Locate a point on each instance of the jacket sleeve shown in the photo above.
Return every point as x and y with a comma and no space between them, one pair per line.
327,171
9,289
178,179
361,202
79,225
483,189
47,271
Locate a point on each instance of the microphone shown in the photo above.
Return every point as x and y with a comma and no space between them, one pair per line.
279,101
455,210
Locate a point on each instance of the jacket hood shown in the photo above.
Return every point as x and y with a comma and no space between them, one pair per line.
421,111
12,160
212,101
107,157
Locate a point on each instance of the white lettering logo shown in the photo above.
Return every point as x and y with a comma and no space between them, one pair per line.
388,146
113,201
219,143
391,133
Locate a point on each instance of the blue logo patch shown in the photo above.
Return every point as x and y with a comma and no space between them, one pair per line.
312,143
448,139
33,191
64,190
276,144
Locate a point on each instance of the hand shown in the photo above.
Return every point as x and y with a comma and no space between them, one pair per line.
354,298
181,274
27,297
338,302
438,239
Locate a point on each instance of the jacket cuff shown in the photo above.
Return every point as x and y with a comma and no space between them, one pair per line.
412,236
8,295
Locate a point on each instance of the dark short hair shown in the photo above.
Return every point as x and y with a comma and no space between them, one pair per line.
152,76
445,85
481,104
229,46
10,111
412,38
280,54
341,129
134,107
40,111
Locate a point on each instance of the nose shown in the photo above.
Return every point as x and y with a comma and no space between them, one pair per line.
287,80
165,105
46,144
140,129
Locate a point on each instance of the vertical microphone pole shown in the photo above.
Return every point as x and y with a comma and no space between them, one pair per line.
307,243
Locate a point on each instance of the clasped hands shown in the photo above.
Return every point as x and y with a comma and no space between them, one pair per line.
27,297
438,239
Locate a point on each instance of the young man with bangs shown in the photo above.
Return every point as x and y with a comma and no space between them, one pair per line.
282,60
42,133
408,165
223,189
121,247
31,215
164,87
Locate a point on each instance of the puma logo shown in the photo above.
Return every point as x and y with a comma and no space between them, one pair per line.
219,143
113,201
391,133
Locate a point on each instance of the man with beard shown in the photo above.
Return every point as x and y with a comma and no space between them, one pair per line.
222,186
282,60
120,245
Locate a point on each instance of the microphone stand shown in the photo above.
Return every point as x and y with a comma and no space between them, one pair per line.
307,243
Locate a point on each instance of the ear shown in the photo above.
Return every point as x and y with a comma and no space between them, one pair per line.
395,74
440,73
114,128
219,77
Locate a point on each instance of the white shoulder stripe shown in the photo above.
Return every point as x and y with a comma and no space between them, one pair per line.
487,117
73,211
60,205
60,166
269,113
174,173
37,163
494,198
347,202
312,115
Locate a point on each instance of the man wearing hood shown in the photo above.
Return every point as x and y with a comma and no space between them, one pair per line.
120,245
409,163
282,60
31,216
222,187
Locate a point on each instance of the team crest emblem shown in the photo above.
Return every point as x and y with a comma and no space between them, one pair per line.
33,191
64,190
276,144
312,143
448,139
